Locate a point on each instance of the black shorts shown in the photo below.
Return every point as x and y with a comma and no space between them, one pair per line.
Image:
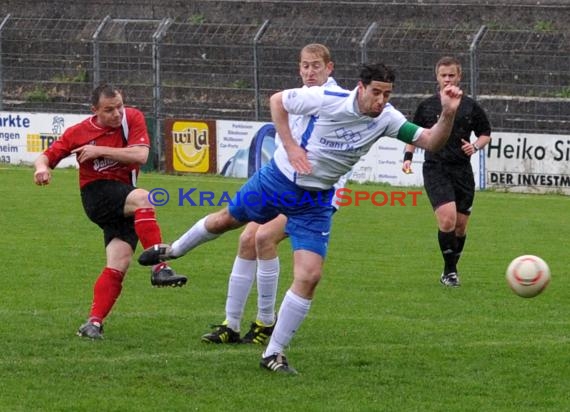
447,182
104,203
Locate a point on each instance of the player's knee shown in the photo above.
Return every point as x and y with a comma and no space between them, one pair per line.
460,230
119,255
309,274
265,243
247,239
305,283
247,245
446,222
313,278
138,198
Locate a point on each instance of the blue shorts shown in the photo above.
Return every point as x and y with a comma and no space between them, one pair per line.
269,193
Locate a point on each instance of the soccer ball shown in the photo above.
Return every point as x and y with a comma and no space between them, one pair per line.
528,275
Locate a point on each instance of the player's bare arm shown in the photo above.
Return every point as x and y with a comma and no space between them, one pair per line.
128,155
297,156
435,138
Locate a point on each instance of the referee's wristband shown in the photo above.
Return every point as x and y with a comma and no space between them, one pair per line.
408,156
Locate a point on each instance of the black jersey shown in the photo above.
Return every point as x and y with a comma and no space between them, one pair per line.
470,117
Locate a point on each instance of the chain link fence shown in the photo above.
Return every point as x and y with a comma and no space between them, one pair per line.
193,69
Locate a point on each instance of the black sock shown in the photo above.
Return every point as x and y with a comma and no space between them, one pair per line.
448,246
460,245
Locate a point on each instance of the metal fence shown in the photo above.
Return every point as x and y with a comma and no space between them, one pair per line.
228,71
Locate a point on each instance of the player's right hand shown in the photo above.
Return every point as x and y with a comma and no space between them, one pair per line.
298,158
451,97
42,177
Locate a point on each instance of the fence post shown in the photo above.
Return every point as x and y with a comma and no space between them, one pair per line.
364,42
96,59
256,39
474,72
156,94
474,68
1,68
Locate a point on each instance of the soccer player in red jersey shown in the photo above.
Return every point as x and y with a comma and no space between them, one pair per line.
110,147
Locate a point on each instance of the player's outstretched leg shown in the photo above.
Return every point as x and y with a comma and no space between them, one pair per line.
156,254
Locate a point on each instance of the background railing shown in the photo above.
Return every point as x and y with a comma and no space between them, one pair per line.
227,71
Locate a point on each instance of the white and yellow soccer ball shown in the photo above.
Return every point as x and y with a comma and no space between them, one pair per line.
528,275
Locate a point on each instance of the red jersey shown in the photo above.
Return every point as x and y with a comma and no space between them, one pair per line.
87,132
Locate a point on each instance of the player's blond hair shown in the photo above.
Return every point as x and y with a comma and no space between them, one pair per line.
317,49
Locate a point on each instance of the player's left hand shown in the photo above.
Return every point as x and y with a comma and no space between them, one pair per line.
407,167
87,152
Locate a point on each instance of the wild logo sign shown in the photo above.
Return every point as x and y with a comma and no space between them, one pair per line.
191,147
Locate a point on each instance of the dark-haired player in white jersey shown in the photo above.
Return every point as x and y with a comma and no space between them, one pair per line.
345,124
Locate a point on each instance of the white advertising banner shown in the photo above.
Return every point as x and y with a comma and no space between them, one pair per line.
242,147
530,163
236,147
519,162
23,136
383,164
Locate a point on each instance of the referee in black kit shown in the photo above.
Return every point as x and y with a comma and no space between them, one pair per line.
448,175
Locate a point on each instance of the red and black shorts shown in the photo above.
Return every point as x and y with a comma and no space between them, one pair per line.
104,203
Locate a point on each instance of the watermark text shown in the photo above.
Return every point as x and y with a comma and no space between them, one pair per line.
341,198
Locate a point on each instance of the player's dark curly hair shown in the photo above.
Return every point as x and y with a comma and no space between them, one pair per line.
378,72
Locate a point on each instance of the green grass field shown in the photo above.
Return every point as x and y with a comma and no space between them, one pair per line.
382,334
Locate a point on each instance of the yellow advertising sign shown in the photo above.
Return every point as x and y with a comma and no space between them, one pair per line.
38,142
190,147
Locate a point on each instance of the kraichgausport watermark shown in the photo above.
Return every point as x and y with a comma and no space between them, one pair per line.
341,197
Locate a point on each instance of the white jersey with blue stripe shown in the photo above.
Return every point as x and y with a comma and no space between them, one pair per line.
337,135
299,123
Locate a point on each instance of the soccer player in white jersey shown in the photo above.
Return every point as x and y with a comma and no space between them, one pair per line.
345,125
257,257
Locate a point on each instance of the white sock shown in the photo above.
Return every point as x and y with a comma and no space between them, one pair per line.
267,280
239,286
195,236
294,310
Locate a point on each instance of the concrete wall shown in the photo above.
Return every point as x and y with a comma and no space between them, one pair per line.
214,96
505,14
